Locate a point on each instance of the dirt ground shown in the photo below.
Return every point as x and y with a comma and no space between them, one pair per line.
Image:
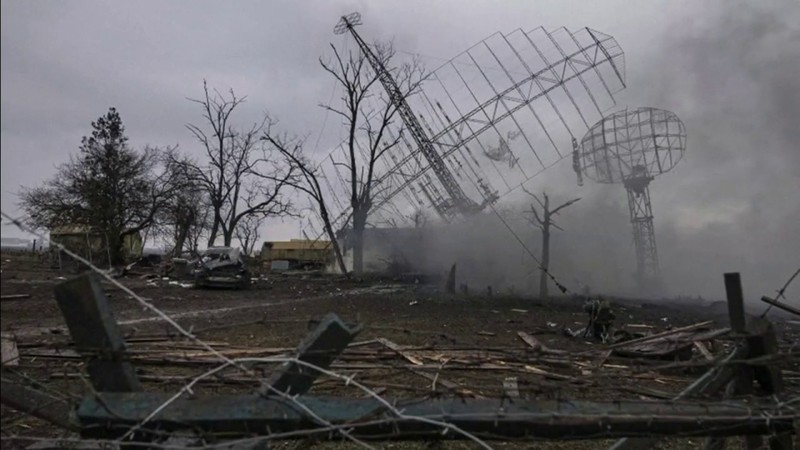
277,312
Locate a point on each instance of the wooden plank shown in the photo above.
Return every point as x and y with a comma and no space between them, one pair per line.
434,378
396,348
96,334
15,296
710,383
703,350
546,374
437,379
536,345
61,444
661,335
9,354
501,418
320,348
36,403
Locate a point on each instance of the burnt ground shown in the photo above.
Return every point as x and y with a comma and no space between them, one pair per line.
472,338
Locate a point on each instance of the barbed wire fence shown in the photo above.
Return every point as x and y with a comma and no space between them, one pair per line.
228,362
516,363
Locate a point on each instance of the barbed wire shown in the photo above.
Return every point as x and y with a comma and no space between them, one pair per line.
781,292
164,317
345,430
786,411
228,362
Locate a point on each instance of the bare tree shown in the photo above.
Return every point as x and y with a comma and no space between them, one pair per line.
308,183
185,213
544,222
367,112
247,233
200,228
239,177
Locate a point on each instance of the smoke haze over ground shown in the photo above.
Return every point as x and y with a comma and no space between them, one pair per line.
732,204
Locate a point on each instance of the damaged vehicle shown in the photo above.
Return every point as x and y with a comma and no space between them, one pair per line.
221,267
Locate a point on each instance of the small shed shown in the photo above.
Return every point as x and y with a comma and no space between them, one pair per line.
299,253
85,241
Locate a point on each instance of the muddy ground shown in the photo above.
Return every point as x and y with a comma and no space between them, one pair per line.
279,311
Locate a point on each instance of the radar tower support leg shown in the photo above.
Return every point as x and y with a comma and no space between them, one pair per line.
644,238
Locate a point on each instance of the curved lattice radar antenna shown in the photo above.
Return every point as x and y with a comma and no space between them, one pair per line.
642,142
632,147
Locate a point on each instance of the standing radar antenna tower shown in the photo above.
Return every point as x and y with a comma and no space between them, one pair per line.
632,147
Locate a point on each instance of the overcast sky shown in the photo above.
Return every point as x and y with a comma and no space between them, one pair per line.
730,70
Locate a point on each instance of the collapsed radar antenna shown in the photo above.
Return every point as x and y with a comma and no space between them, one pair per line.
460,202
498,112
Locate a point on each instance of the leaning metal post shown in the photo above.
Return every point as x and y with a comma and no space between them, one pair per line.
458,201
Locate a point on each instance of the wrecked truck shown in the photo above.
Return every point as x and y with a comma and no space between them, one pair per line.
221,267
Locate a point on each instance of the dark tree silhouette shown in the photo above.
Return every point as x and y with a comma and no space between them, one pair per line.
308,183
187,216
544,221
238,177
109,187
248,233
367,126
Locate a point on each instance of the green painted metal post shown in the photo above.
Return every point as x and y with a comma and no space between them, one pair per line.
96,334
320,348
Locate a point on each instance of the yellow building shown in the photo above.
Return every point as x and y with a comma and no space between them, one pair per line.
87,243
298,253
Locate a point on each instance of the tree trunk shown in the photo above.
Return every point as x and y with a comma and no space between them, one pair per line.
359,223
180,239
337,251
213,235
115,252
228,237
450,286
545,259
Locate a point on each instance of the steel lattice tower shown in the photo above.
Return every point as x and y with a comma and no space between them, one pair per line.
644,237
632,147
458,202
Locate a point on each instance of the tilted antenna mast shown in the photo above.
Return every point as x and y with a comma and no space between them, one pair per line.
458,201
